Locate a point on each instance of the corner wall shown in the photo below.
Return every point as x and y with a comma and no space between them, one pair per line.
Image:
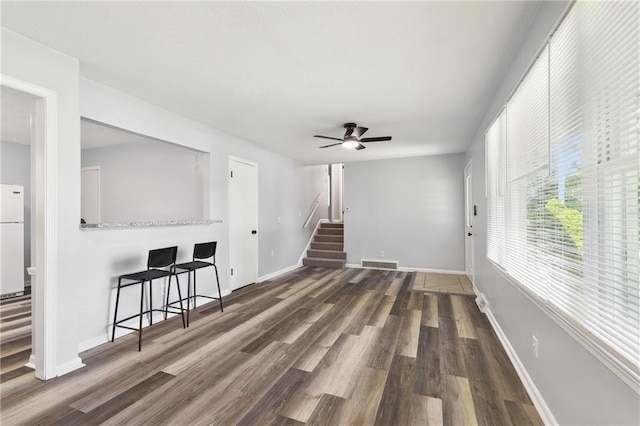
574,387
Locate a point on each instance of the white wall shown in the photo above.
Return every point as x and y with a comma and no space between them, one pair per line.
38,65
15,169
90,261
410,208
286,189
577,388
150,181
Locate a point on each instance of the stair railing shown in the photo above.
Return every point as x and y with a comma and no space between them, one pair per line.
314,207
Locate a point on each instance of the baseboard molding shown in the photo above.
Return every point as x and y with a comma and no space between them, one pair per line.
433,271
157,317
32,362
532,390
405,269
280,272
69,366
97,341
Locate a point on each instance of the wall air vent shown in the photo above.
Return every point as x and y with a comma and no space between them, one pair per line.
379,264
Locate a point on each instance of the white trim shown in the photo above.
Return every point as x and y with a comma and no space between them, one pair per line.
308,246
279,272
409,269
157,318
254,164
536,397
32,362
97,341
70,366
433,271
618,368
46,185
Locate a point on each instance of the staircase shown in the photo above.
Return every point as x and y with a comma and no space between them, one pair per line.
327,247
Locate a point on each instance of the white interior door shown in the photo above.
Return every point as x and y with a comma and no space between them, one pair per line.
469,212
337,185
90,194
243,223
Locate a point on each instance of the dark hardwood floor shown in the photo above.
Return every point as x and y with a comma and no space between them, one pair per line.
316,346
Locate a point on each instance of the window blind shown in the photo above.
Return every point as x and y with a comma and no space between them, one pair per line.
495,149
569,231
527,172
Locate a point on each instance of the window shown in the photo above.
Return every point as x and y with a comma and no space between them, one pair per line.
562,181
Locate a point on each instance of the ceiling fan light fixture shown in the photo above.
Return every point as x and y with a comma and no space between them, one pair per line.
350,144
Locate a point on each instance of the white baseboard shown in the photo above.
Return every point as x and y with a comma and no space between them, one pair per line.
97,341
32,362
433,271
406,269
532,390
70,366
280,272
157,317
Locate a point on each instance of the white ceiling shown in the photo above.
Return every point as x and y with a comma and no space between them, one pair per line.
276,73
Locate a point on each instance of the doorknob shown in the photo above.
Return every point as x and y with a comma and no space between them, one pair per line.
254,232
469,234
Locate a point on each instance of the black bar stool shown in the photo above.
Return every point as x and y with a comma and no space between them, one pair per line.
159,258
201,252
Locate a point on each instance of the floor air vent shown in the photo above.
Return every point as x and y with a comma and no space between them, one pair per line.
379,264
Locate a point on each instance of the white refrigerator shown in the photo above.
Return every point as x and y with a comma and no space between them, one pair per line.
12,239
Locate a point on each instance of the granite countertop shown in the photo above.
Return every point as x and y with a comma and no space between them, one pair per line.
122,225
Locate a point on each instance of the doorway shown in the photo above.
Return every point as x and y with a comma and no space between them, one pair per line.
42,131
469,213
336,191
243,222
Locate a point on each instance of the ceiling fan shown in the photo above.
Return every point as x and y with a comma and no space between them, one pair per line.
353,137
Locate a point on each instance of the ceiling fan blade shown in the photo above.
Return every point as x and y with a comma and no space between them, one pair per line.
327,137
359,131
359,147
348,132
378,139
333,144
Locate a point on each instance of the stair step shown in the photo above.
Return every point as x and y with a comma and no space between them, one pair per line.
327,254
329,238
330,231
332,225
327,246
326,263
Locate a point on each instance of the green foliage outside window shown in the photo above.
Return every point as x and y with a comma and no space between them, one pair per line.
571,220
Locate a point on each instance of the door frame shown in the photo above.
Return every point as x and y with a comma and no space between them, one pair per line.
254,164
45,152
469,214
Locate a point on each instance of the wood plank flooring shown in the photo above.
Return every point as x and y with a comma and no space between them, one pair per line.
15,337
316,346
